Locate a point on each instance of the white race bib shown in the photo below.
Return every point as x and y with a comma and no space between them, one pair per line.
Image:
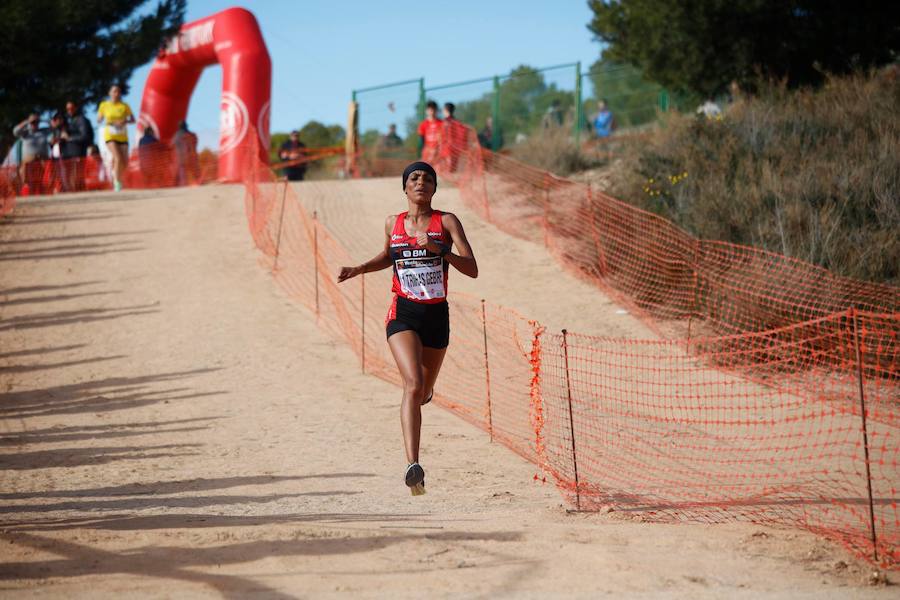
116,129
422,278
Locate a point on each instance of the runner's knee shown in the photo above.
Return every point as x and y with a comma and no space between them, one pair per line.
414,386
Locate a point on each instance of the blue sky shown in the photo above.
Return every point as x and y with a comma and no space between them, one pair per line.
321,50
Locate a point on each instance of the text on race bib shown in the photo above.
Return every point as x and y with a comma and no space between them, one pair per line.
422,278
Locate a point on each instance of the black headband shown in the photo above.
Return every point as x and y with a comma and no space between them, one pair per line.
418,166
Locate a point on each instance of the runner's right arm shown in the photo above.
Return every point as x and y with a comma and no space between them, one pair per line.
380,261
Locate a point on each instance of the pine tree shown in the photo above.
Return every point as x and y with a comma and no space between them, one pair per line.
52,51
703,45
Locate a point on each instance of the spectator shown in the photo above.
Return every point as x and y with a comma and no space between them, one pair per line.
56,176
77,137
293,149
603,122
186,154
486,135
709,109
150,155
430,133
116,114
554,115
34,149
391,140
453,138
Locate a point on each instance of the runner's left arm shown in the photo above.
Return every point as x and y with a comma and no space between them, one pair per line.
464,258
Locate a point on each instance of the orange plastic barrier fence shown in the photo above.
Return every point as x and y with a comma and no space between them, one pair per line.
791,418
772,395
155,166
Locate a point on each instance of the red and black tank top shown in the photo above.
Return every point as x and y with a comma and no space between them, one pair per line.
419,275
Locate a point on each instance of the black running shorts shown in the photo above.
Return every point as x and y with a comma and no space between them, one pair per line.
430,321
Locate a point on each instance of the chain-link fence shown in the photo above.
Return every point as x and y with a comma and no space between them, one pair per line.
506,109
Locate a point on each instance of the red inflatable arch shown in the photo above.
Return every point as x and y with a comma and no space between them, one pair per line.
232,39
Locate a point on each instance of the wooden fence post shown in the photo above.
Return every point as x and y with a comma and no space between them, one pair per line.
362,324
487,372
316,257
280,224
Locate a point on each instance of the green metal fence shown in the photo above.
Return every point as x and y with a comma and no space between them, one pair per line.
519,104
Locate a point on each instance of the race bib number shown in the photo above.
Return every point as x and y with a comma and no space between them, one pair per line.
117,129
422,278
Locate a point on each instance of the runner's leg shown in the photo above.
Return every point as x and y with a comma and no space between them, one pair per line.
432,359
114,157
407,350
122,149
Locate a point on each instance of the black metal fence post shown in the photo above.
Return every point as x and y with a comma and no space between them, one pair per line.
865,432
571,419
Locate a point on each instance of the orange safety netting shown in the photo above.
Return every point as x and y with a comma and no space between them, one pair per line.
156,166
772,396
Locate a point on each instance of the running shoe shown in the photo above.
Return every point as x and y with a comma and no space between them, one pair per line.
415,479
117,186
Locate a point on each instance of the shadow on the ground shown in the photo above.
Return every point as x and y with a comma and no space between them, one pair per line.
57,365
72,251
22,220
101,395
40,351
76,457
48,288
193,564
156,502
73,237
69,317
177,487
53,298
53,435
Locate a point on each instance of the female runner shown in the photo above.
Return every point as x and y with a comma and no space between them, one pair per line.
417,244
117,114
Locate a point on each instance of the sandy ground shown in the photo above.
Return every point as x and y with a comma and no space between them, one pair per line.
171,425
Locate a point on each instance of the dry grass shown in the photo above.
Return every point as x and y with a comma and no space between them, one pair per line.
554,150
809,174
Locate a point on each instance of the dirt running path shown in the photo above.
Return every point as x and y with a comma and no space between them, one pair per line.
513,272
172,426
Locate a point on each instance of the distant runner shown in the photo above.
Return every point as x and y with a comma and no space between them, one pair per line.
116,114
417,244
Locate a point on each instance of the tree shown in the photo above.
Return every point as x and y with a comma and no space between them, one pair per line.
702,46
313,135
52,51
632,99
525,98
318,135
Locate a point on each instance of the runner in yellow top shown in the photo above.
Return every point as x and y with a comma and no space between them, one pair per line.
116,114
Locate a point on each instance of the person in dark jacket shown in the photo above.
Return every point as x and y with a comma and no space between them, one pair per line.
293,149
78,135
151,158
